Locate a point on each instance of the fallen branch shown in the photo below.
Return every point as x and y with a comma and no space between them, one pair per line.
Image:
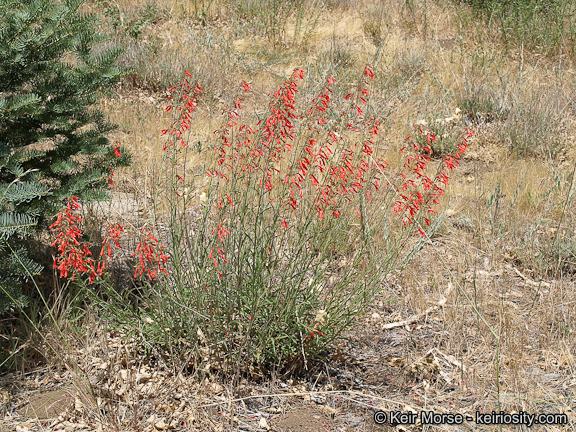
531,282
415,318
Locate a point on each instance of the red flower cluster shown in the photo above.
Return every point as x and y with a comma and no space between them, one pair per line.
335,163
73,257
109,242
188,99
417,191
151,258
330,174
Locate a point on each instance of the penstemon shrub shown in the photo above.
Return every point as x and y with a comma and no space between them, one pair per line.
301,222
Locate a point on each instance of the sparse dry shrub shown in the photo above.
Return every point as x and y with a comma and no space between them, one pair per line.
534,123
279,21
546,27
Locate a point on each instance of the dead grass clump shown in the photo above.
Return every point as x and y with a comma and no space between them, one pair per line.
481,320
534,123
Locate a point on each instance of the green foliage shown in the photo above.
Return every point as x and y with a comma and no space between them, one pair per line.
16,221
52,140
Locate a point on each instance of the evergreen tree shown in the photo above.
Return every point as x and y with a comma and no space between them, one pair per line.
53,141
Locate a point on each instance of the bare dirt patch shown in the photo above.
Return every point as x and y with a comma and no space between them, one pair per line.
47,405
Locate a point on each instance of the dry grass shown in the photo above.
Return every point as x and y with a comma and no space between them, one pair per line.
506,244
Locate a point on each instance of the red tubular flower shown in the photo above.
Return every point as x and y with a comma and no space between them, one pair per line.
422,191
151,257
109,179
330,168
73,257
111,240
188,98
117,150
367,149
368,71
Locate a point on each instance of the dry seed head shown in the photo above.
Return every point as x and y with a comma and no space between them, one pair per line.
321,317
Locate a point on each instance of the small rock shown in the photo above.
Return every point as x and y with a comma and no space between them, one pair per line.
161,425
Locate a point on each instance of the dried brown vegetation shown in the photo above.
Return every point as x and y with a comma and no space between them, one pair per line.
482,319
